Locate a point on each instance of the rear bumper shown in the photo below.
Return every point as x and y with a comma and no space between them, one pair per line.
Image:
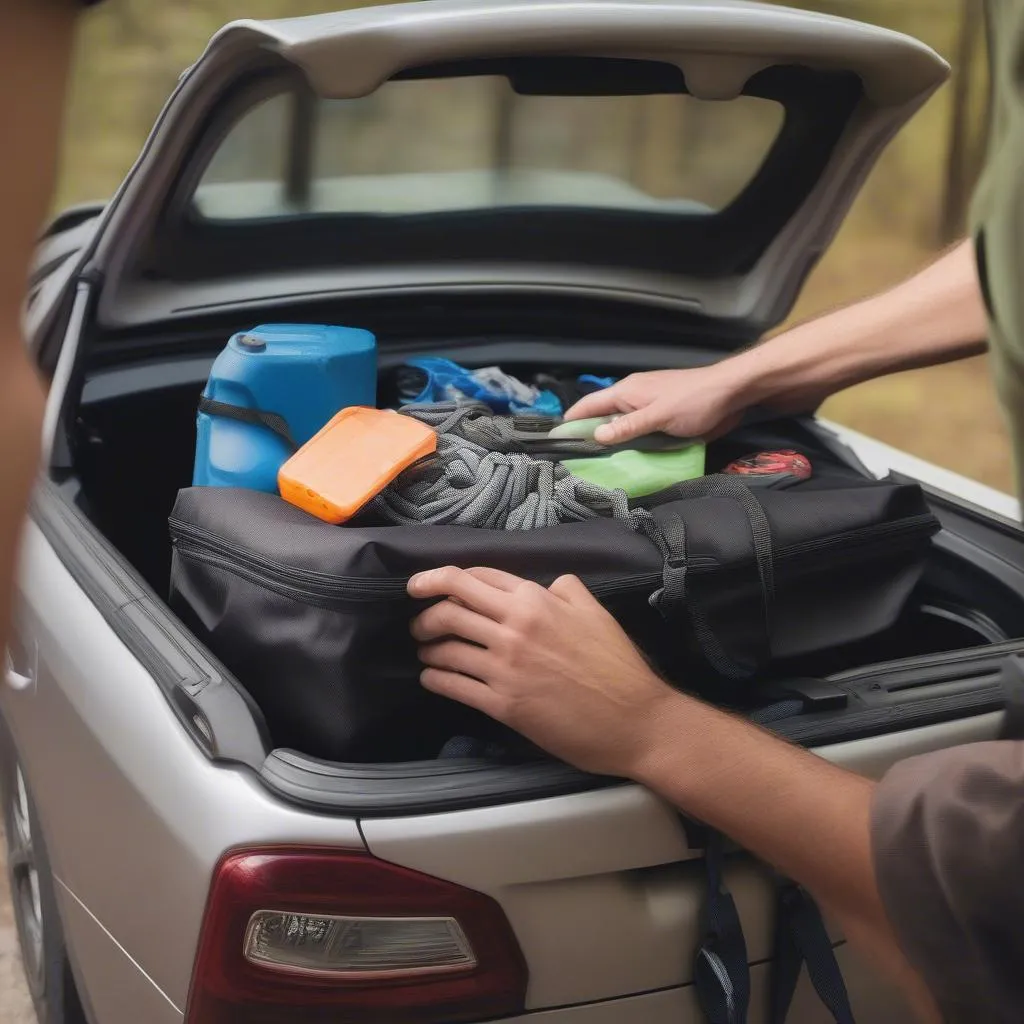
872,998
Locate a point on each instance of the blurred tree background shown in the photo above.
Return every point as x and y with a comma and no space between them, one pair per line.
132,51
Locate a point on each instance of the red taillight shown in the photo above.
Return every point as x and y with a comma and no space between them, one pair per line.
307,936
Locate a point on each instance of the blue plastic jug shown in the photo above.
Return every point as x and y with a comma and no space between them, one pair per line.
300,374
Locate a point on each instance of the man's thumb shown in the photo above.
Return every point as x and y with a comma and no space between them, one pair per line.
625,428
597,403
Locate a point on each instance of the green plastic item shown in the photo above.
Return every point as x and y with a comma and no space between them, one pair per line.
580,429
641,473
583,430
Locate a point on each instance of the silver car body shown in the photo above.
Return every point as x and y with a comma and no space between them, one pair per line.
600,887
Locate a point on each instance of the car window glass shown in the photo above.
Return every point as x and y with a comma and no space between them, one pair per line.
429,145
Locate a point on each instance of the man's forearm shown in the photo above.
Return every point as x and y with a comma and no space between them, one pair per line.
936,316
35,50
803,815
765,793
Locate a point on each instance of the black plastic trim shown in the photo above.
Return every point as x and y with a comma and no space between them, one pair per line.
212,707
151,372
421,787
438,318
813,694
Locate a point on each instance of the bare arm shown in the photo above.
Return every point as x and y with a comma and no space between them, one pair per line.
554,665
817,829
35,47
936,316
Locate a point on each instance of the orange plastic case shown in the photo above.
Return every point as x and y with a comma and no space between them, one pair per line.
351,460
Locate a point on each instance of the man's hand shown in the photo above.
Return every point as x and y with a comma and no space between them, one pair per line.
703,402
935,316
550,663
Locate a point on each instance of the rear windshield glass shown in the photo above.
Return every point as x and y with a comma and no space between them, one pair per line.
540,161
474,142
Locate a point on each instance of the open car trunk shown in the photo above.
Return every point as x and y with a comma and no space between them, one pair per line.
531,264
133,448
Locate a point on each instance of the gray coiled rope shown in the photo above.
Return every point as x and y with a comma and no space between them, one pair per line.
477,478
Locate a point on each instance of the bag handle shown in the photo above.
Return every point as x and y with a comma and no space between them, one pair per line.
669,534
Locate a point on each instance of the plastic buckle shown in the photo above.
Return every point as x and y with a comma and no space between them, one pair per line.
816,694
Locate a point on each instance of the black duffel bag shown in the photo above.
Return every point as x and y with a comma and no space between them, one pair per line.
313,619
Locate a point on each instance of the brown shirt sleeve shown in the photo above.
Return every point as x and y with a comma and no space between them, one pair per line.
948,839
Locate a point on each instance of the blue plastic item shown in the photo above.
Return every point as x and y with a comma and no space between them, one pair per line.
598,382
302,373
447,381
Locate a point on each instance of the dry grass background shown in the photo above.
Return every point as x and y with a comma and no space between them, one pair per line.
947,414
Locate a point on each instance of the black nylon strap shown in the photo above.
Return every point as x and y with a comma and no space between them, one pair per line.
255,417
671,597
719,485
721,969
801,937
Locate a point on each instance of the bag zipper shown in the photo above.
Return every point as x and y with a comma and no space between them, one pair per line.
911,526
322,588
316,587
